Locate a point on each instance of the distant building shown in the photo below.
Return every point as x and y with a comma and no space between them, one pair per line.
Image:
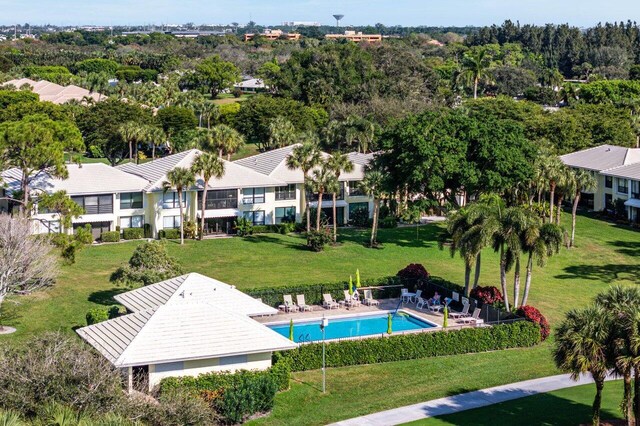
52,92
435,43
355,37
251,85
300,24
273,35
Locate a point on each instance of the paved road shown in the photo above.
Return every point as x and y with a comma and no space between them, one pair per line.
467,401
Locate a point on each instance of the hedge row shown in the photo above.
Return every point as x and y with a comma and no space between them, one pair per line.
283,228
132,233
110,237
235,396
169,234
272,296
412,346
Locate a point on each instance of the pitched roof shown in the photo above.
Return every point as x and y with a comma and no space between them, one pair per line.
252,83
235,176
274,164
194,287
602,157
630,171
53,92
94,178
180,332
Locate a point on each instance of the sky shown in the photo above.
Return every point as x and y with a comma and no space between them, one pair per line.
582,13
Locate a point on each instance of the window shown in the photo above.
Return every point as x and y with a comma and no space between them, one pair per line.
622,186
285,214
253,195
286,192
357,206
171,222
170,200
608,182
168,367
231,360
220,199
354,188
131,200
131,222
95,204
255,217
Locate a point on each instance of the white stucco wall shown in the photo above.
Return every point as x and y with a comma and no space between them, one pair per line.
157,372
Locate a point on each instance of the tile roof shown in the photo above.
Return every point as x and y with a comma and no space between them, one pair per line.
194,287
180,332
55,93
630,171
94,178
602,157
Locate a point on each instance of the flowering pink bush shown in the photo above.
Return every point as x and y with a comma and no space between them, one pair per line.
414,271
487,295
533,314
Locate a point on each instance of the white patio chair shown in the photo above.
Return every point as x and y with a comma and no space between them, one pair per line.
369,300
302,305
461,314
349,300
289,306
472,319
328,302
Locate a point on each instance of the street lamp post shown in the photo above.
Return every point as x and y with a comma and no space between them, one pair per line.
323,325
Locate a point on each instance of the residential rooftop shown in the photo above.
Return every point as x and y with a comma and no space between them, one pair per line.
602,157
52,92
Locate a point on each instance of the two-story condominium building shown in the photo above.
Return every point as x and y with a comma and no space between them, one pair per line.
287,200
617,170
260,188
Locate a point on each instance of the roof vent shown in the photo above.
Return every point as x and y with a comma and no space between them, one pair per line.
608,149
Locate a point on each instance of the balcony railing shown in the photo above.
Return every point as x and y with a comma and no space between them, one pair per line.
635,195
623,189
285,195
101,209
326,197
227,203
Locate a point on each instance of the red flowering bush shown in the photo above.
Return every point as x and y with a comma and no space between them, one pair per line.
533,314
487,295
414,276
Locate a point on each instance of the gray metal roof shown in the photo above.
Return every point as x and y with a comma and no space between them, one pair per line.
630,171
267,162
179,332
602,157
360,158
156,171
194,287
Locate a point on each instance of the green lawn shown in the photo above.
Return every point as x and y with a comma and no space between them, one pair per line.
570,406
605,254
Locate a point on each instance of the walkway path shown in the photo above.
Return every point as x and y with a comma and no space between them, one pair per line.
467,401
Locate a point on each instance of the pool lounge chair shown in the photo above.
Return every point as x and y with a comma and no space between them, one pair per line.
404,295
434,307
417,296
422,303
369,300
349,300
302,305
461,314
473,319
289,306
328,302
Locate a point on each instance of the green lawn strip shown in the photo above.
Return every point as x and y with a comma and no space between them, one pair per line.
571,406
356,391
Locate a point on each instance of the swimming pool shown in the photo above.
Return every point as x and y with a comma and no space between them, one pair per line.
352,326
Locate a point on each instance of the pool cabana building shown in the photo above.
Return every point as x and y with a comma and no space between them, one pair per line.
186,326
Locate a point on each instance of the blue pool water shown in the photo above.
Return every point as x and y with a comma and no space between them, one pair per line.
339,328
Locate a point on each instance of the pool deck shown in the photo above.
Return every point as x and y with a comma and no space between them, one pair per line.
385,305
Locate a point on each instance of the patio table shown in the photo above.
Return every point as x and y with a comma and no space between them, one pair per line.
410,296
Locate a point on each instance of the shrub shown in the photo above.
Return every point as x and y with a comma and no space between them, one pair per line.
360,218
190,229
132,233
412,346
57,368
316,240
110,237
414,275
487,295
535,316
97,315
243,227
389,222
272,296
148,232
150,263
169,234
84,235
234,397
113,312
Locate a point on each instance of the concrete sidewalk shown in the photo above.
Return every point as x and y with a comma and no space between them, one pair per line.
467,401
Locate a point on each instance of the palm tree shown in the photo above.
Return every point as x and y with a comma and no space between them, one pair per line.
581,346
515,224
130,133
475,67
338,163
210,111
553,169
482,221
154,136
323,180
458,226
227,140
98,82
208,166
563,189
281,133
540,242
622,304
305,157
373,185
581,180
181,179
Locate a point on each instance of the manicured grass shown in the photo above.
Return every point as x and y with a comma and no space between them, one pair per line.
571,406
605,254
228,98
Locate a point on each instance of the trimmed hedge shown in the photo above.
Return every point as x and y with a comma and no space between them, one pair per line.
110,237
272,296
97,315
412,346
235,396
169,234
132,233
283,228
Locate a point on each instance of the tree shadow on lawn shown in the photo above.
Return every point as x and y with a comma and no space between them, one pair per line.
105,297
540,409
425,237
264,238
605,273
9,313
629,248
